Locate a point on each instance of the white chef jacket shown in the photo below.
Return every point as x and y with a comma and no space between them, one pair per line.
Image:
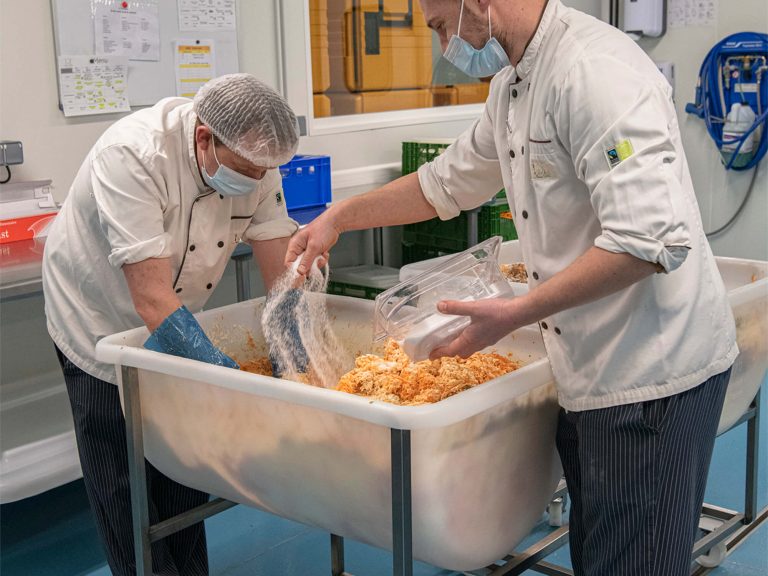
139,195
583,135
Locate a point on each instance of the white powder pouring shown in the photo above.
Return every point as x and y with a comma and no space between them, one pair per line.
302,344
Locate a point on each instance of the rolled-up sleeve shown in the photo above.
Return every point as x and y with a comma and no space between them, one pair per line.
130,205
271,220
467,174
617,123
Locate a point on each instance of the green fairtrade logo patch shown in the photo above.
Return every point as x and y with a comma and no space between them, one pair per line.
618,153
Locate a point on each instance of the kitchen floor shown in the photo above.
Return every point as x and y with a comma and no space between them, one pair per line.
53,534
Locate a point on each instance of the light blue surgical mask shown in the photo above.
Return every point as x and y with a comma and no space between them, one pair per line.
227,181
476,63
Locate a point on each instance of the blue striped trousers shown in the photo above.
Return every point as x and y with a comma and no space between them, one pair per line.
101,444
636,475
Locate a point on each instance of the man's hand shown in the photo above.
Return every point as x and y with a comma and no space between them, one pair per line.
491,321
399,202
181,335
314,240
173,328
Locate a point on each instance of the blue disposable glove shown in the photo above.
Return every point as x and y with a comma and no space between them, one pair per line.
181,335
286,311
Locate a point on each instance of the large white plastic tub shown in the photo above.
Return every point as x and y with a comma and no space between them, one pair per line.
484,464
747,284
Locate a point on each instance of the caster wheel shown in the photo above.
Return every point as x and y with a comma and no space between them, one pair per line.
555,510
714,557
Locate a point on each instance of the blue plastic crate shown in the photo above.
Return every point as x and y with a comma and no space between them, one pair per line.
306,182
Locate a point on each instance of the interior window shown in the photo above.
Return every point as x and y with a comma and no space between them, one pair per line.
378,56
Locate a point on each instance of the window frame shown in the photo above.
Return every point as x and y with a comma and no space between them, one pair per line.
295,72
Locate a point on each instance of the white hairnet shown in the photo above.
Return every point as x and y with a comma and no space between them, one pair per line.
249,118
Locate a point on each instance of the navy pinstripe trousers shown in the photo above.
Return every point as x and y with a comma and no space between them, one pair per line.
101,443
636,476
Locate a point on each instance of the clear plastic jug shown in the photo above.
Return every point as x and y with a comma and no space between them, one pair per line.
408,312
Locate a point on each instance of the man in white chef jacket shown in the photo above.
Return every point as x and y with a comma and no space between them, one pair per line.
581,131
144,236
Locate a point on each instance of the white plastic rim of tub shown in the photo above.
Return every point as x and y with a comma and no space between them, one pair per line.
744,290
116,350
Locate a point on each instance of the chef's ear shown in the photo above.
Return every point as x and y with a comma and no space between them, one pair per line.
203,136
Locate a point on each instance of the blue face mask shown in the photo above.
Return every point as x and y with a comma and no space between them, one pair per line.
227,181
473,62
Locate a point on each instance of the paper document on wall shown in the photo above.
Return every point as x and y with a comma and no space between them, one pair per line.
691,13
130,28
197,15
93,84
195,65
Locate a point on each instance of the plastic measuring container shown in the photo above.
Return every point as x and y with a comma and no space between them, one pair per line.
408,311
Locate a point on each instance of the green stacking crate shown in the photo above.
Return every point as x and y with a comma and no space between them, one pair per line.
418,253
437,237
365,281
450,235
495,219
507,226
418,152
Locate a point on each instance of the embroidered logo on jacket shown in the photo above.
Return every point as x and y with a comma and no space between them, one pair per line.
618,153
542,170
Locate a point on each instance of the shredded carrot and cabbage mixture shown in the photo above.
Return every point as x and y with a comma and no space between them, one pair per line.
394,378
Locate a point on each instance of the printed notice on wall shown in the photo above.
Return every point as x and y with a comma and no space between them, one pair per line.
130,28
93,84
195,65
692,13
197,15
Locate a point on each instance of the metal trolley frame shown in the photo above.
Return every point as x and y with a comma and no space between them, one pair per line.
725,529
145,534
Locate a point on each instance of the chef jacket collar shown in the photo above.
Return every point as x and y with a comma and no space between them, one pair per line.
526,64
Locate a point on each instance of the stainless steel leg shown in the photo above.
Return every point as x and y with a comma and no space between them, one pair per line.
402,521
337,556
472,227
136,471
613,18
243,277
753,452
378,246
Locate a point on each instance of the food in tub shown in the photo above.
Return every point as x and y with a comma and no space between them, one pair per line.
261,366
394,378
515,272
